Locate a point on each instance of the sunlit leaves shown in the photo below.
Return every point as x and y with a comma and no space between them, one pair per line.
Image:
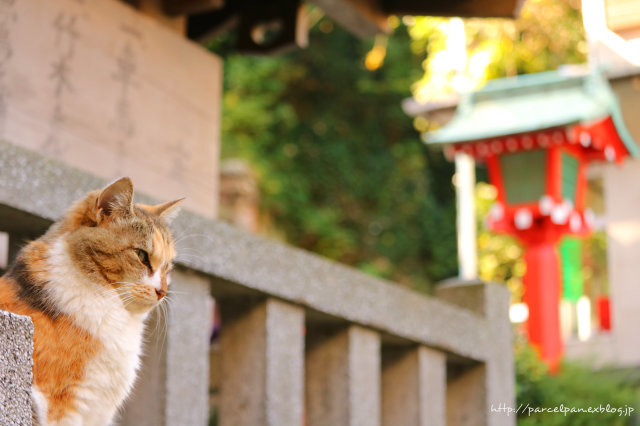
548,33
341,169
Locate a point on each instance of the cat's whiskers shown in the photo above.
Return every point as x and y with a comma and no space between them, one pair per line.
122,292
164,322
190,252
176,292
162,317
190,257
188,249
184,237
182,249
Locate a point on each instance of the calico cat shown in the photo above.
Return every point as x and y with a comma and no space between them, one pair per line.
88,285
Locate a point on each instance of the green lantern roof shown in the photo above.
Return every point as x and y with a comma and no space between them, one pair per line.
533,102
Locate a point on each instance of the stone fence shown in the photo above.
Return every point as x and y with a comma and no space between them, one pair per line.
303,340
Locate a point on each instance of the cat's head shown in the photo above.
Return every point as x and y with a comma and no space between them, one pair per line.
121,245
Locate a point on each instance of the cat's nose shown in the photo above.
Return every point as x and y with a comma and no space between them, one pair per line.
160,293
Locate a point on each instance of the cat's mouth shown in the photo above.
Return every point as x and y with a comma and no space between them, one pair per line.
149,294
141,297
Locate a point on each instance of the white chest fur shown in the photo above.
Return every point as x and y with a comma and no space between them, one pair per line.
109,375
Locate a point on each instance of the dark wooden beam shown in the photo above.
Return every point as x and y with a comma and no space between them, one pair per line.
462,8
190,7
273,28
262,27
364,18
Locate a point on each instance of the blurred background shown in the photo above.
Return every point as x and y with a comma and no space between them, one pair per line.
337,167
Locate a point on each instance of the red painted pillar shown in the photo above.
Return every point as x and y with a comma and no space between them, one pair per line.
604,313
542,296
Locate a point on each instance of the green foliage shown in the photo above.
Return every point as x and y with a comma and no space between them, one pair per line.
341,170
575,385
548,34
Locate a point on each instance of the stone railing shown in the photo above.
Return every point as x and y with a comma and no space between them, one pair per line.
16,347
303,340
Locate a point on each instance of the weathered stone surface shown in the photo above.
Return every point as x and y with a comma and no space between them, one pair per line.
262,364
188,328
621,346
16,349
414,384
107,89
328,287
342,377
467,399
491,383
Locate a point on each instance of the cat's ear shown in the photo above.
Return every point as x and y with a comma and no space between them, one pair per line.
115,199
166,211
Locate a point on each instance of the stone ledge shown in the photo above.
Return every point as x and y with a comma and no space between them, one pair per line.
16,350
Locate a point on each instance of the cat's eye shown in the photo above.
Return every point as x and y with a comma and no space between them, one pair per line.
144,257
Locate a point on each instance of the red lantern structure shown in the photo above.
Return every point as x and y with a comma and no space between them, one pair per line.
536,133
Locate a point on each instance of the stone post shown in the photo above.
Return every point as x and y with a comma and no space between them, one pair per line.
475,389
262,348
414,385
4,250
343,377
239,195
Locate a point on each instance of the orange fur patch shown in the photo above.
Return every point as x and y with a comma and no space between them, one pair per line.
61,351
162,253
